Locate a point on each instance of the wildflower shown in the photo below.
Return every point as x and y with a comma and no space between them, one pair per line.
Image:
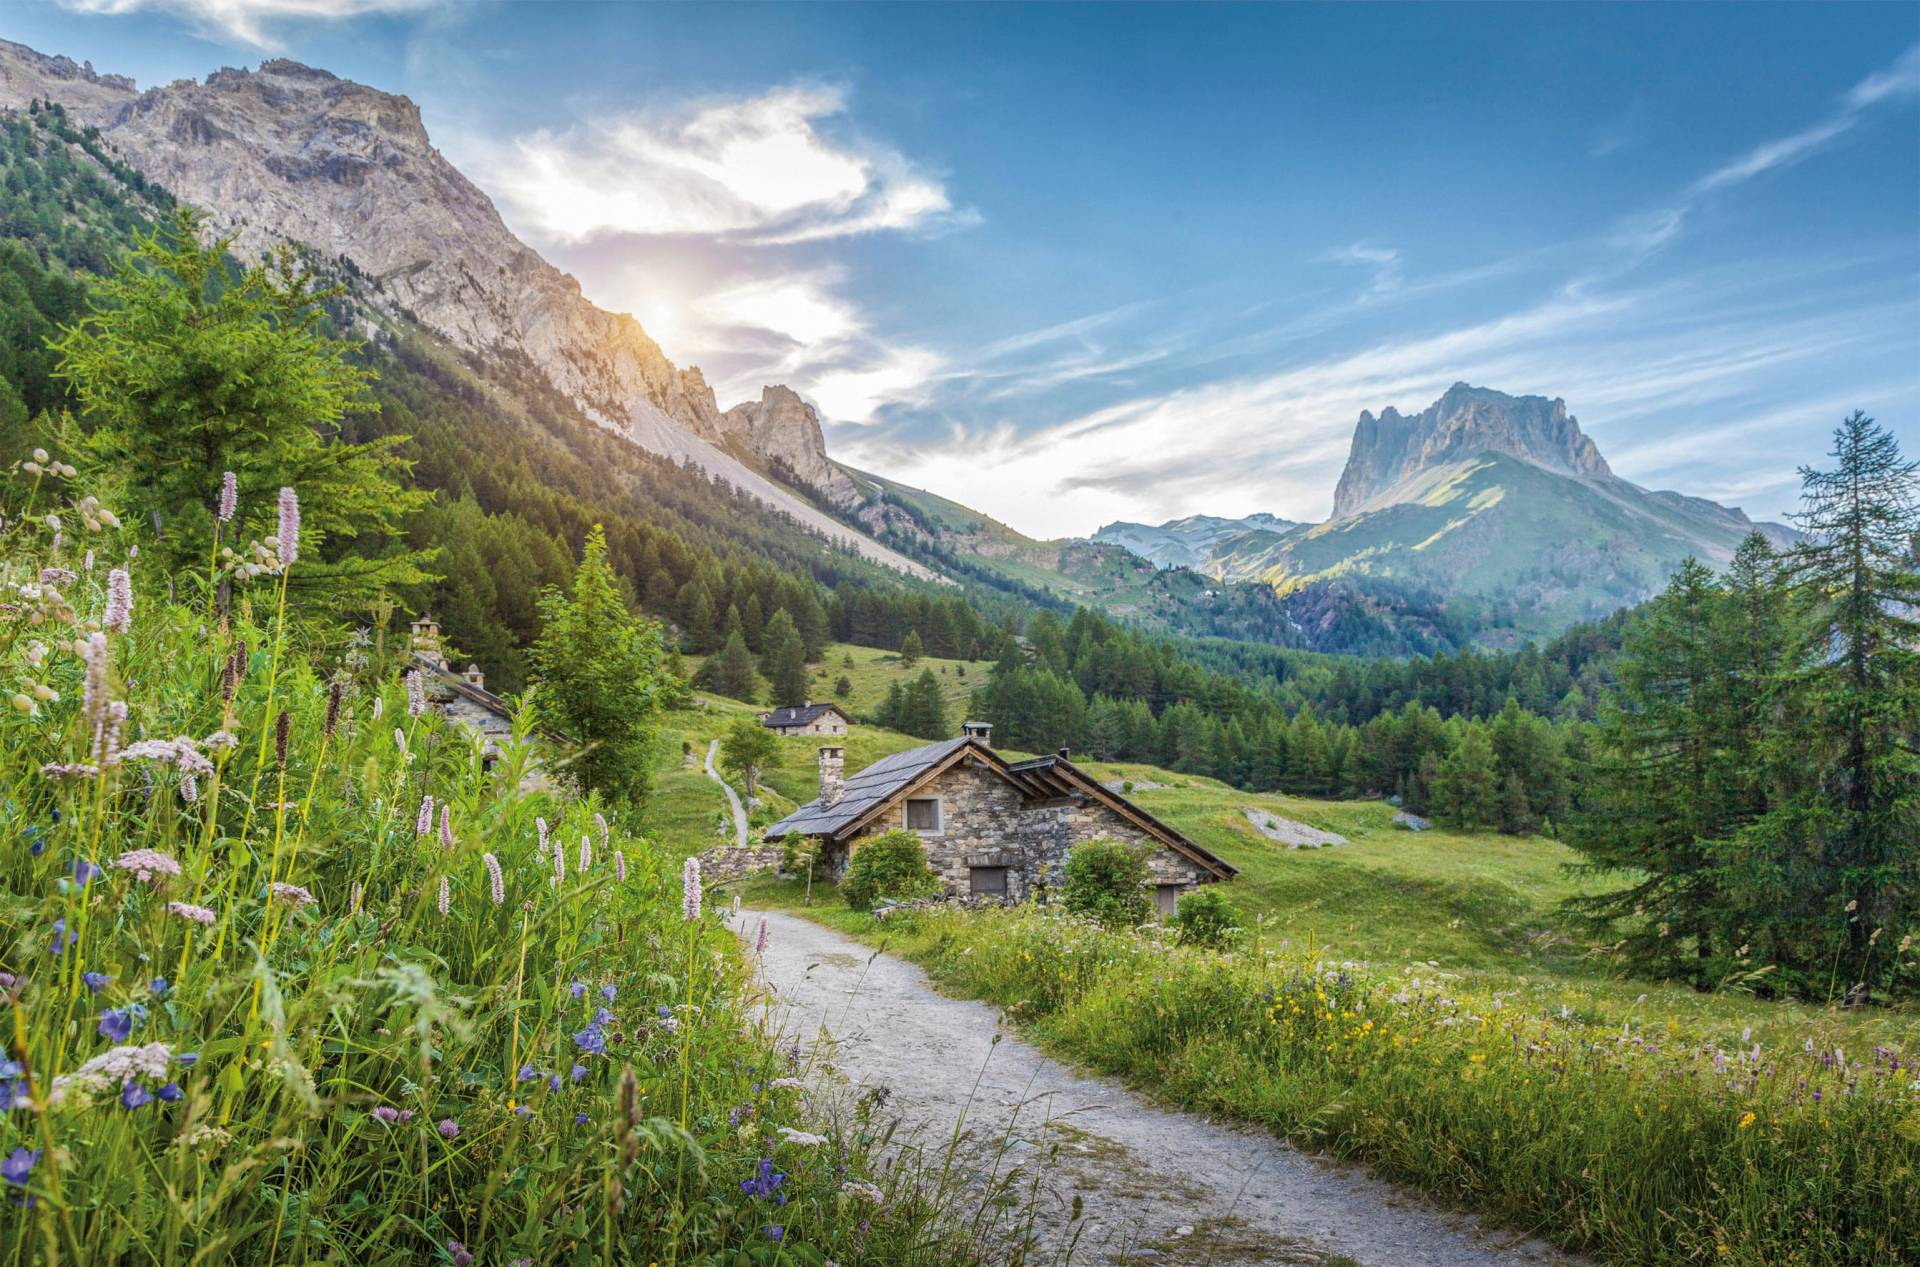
58,771
416,693
18,1166
461,1258
765,1183
553,1082
608,992
220,739
336,693
282,732
494,878
423,821
1746,1119
586,853
690,888
579,1072
189,789
117,1023
541,825
760,938
84,872
864,1191
446,826
292,895
802,1139
591,1040
119,613
577,989
134,1096
774,1231
146,864
229,497
448,1128
159,986
619,866
95,981
786,1084
61,937
581,1119
446,897
600,821
187,910
379,707
559,865
524,1110
169,1093
289,534
526,1073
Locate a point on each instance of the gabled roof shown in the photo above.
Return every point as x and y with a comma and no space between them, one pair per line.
447,680
801,715
887,780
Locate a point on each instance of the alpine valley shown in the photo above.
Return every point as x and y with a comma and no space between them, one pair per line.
1485,519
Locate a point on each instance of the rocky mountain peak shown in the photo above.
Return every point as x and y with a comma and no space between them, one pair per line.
1465,422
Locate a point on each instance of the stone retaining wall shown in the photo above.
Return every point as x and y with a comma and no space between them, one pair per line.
730,862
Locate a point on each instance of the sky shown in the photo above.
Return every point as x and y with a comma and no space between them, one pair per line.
1073,264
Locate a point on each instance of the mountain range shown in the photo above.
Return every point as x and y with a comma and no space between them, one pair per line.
1485,517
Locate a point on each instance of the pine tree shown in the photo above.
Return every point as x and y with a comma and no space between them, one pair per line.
911,649
924,708
784,660
598,676
730,672
1466,793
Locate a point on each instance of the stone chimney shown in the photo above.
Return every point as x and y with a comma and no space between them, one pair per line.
1065,752
475,677
833,774
981,730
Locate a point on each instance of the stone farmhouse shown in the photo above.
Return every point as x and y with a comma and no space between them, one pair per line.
807,719
992,828
462,695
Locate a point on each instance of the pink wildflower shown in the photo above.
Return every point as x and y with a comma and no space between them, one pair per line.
229,496
187,910
586,852
446,826
449,1129
416,693
600,821
119,614
146,864
690,888
290,894
423,821
289,527
760,938
619,866
559,865
494,878
446,897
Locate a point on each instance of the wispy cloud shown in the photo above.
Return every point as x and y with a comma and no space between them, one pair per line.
758,170
1383,261
253,22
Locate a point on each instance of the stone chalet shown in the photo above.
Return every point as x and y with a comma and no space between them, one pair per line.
807,719
992,827
462,696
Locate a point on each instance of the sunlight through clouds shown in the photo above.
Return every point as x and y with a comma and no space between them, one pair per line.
756,170
247,21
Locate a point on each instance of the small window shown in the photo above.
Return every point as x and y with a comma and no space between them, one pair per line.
987,881
1166,897
923,813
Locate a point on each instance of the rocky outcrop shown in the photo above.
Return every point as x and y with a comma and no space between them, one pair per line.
1186,542
784,430
1463,423
291,153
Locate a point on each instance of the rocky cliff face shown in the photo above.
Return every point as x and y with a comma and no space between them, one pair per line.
785,431
1465,422
291,153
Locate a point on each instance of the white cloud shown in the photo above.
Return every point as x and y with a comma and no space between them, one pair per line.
1383,260
247,21
756,170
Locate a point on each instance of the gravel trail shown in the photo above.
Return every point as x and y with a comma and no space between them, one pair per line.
733,797
1155,1186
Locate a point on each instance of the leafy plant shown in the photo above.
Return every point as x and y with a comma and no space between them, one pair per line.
1106,880
892,865
1207,917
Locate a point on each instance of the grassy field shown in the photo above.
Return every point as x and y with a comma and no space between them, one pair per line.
873,671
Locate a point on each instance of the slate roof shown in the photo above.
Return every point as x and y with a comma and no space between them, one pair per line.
800,715
877,783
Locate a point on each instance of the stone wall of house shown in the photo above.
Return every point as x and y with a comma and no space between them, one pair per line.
730,862
986,822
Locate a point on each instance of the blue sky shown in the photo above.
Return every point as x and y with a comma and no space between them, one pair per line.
1072,264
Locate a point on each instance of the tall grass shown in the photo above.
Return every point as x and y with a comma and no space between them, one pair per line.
261,1008
1642,1145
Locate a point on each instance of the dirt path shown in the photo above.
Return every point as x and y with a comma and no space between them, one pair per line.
733,797
1154,1186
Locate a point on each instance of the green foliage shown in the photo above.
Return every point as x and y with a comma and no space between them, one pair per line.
892,865
184,370
919,708
1758,781
302,1050
783,658
730,672
842,686
1466,792
911,648
1106,881
598,670
748,749
1206,916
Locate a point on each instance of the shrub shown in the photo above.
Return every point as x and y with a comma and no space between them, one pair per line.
1108,881
893,865
1207,917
